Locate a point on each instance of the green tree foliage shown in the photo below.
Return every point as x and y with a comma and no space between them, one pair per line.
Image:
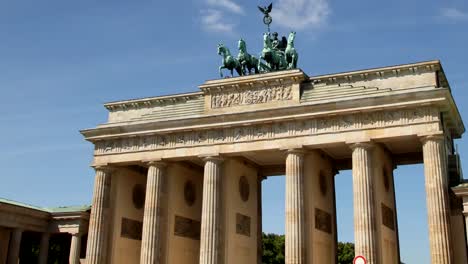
273,250
345,253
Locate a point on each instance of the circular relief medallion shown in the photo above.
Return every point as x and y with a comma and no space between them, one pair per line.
138,196
386,180
189,193
323,184
244,188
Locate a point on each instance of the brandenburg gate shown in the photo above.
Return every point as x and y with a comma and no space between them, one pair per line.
178,177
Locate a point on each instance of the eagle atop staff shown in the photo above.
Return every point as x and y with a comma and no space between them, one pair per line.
266,10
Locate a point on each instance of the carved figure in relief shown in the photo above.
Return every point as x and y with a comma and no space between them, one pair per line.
162,141
346,121
275,130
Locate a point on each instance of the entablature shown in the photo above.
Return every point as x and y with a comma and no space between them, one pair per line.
277,90
374,103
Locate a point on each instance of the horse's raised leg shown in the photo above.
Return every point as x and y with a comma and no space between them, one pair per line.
221,71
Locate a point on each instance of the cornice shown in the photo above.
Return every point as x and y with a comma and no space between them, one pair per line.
381,72
252,81
286,76
461,190
152,101
70,216
436,97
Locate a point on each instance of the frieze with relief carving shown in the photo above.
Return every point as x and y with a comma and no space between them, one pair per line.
252,96
277,130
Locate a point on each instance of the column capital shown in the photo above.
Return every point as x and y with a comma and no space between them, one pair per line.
159,163
298,151
18,229
435,137
364,145
103,167
213,158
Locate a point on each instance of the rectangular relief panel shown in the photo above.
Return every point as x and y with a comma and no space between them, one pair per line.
388,219
243,224
186,227
131,229
323,221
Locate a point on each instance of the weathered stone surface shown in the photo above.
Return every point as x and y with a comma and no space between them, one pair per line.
365,233
438,212
131,229
186,227
243,224
75,248
44,248
211,212
14,250
323,221
151,238
295,252
96,252
256,118
388,217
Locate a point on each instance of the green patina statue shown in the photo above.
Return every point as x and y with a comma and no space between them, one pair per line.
291,53
277,54
229,62
274,58
248,62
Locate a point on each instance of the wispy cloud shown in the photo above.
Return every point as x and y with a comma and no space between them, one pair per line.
301,14
217,17
227,5
212,20
453,14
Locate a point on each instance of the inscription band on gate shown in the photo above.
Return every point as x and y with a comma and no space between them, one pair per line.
254,96
277,130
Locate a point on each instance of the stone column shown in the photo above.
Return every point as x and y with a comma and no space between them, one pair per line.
211,212
75,249
466,226
44,248
96,251
14,248
151,238
438,211
295,212
260,178
365,233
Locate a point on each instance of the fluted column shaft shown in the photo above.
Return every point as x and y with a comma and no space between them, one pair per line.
75,248
365,233
295,211
211,212
96,251
14,248
435,170
151,238
44,248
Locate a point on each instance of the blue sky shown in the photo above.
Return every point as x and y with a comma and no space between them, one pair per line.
61,60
